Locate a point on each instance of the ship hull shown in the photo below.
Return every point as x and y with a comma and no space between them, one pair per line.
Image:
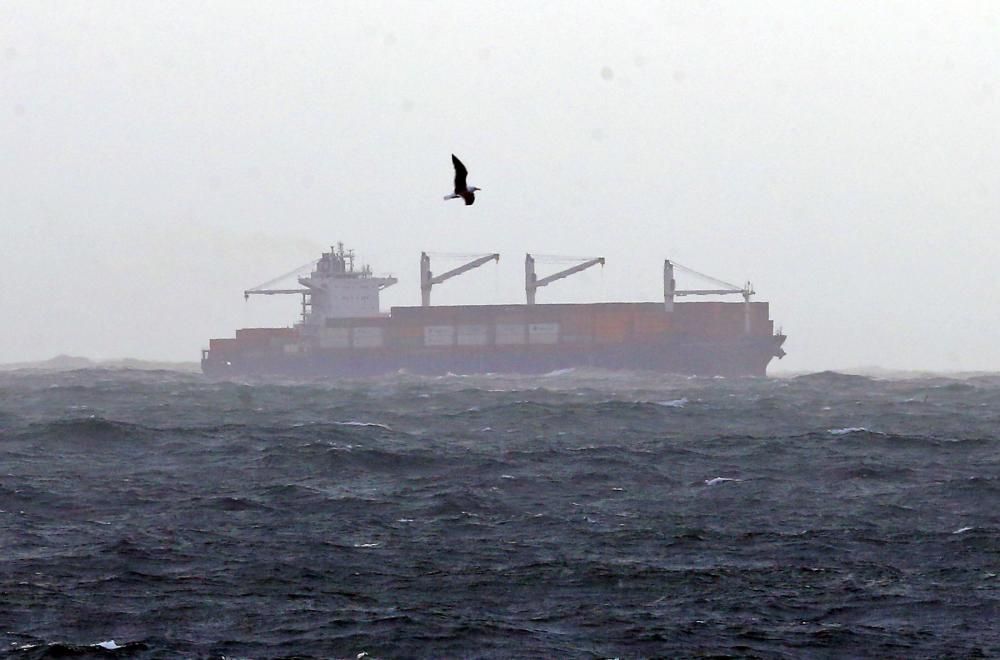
742,357
702,339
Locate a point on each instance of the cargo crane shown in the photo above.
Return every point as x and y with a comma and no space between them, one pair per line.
532,283
428,279
670,290
265,290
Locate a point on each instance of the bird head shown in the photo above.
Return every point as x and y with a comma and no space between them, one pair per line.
474,189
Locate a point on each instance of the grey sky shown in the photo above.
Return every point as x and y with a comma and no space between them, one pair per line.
158,158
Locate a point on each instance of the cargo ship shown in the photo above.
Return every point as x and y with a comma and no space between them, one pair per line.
343,332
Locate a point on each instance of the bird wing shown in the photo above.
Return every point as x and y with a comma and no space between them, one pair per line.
460,175
469,198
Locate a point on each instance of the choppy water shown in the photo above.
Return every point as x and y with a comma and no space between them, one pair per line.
156,514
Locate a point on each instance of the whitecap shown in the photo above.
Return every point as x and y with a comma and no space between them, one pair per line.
365,424
719,480
110,645
366,545
962,530
847,430
559,372
675,403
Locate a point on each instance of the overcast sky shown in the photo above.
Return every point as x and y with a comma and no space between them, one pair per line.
158,158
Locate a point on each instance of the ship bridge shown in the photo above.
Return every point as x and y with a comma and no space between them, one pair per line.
334,289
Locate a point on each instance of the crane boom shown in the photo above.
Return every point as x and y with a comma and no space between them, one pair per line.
532,283
569,271
670,290
475,263
707,292
708,277
428,279
271,292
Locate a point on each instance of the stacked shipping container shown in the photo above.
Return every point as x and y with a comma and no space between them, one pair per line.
526,334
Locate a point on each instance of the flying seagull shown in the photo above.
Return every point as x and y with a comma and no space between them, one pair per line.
462,189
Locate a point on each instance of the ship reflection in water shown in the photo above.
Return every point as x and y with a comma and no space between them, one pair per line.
342,331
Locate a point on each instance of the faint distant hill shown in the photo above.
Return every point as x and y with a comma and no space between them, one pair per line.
71,362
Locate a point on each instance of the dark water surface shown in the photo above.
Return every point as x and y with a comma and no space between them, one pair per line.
589,515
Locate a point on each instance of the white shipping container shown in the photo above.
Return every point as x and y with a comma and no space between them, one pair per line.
439,335
543,333
510,333
472,335
366,337
334,337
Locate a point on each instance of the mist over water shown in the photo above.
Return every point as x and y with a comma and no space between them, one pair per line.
589,514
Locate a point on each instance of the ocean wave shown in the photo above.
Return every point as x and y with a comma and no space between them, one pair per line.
320,519
87,429
850,429
105,649
375,425
715,481
834,379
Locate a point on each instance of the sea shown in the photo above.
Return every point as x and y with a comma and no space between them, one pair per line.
579,514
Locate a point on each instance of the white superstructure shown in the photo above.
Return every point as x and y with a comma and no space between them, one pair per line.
339,291
335,290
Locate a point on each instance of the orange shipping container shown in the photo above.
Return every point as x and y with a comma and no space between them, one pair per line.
263,336
611,328
407,331
221,345
651,325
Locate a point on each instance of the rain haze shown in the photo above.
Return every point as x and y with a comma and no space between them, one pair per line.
159,158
